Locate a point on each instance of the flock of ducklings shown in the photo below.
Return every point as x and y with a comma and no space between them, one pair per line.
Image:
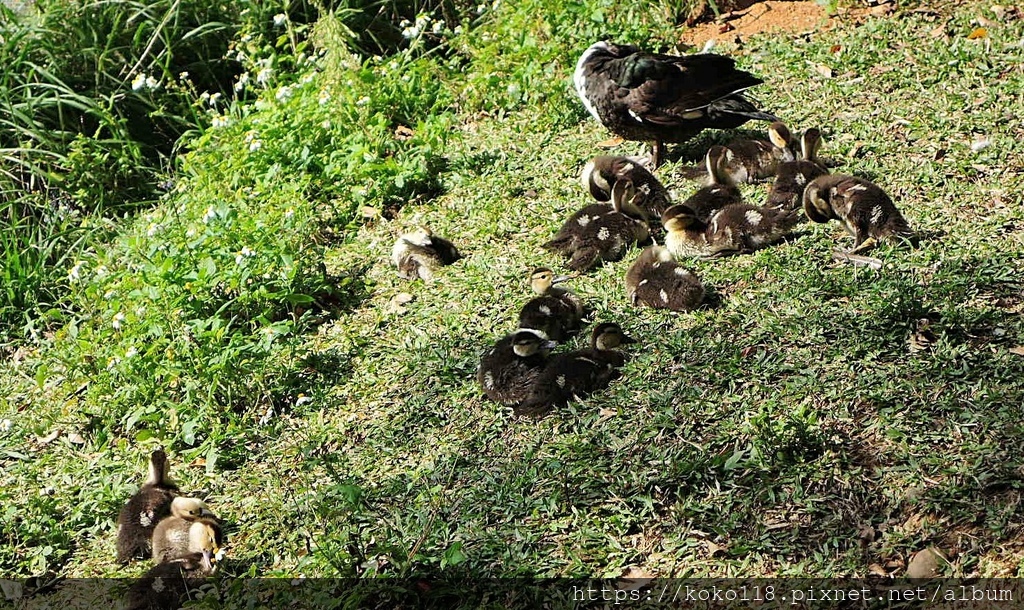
180,534
647,96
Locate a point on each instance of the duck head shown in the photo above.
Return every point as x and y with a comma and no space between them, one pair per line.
529,342
542,279
779,135
818,201
191,509
810,143
159,470
681,218
609,335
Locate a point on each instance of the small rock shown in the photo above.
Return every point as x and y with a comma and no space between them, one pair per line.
925,564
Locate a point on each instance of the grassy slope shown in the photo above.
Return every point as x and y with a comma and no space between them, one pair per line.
759,437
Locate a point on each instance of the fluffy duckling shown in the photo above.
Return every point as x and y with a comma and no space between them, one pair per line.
864,209
792,176
579,373
508,370
601,233
177,535
554,311
601,173
736,228
170,584
150,504
663,98
421,253
750,160
720,191
657,281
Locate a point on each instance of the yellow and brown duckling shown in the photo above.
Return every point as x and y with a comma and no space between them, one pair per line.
737,228
178,535
555,310
720,190
751,160
150,504
599,233
420,254
509,369
579,373
861,206
663,98
601,173
171,583
656,280
792,176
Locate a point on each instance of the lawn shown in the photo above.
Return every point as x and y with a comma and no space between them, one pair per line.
786,428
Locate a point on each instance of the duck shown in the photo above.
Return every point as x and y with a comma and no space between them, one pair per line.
656,280
601,173
863,208
792,176
600,233
139,516
663,98
579,373
737,228
509,369
420,253
169,584
176,535
720,191
752,160
555,310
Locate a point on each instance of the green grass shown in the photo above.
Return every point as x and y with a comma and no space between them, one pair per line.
755,438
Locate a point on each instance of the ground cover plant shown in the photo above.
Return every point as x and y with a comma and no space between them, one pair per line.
800,425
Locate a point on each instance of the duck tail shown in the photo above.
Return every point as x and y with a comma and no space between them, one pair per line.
737,105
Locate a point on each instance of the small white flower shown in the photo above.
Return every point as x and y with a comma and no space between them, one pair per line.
6,425
438,27
112,362
263,76
404,23
131,353
284,94
289,212
220,121
255,145
139,82
980,144
480,9
209,215
242,80
457,30
152,83
118,318
363,101
302,399
410,32
280,19
101,271
152,230
109,295
214,98
75,272
325,97
422,21
183,76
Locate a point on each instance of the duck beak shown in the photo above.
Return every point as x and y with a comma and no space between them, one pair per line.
626,340
208,559
558,279
205,512
548,345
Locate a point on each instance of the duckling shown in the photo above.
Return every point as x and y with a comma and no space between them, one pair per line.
171,583
750,160
721,189
150,504
864,209
600,233
663,98
600,173
736,228
190,520
792,176
579,373
420,253
508,370
657,281
555,311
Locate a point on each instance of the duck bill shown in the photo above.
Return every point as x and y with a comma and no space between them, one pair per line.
626,340
208,559
558,279
548,345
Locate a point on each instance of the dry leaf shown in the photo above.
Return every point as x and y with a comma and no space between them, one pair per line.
835,48
1019,350
369,212
403,133
938,31
823,70
607,412
877,570
977,33
76,438
402,298
633,578
49,438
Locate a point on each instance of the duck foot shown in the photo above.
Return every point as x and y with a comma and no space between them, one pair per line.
855,259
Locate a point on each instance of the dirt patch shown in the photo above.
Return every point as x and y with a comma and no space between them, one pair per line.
771,16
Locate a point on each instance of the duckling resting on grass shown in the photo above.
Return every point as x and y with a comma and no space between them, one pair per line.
792,177
659,282
736,228
750,160
601,173
170,584
720,190
508,370
578,374
555,311
176,536
862,207
139,516
420,254
599,233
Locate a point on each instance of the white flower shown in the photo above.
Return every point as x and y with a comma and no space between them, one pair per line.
438,27
131,353
363,101
118,318
284,94
480,9
101,271
220,121
75,272
6,425
255,145
152,83
280,19
214,98
152,230
404,23
325,97
263,76
457,30
326,124
139,82
109,295
242,80
244,253
410,32
422,21
302,399
112,362
209,215
183,76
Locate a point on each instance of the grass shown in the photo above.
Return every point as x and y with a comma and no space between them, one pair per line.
760,437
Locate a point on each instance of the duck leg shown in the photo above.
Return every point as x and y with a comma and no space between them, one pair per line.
863,246
656,153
